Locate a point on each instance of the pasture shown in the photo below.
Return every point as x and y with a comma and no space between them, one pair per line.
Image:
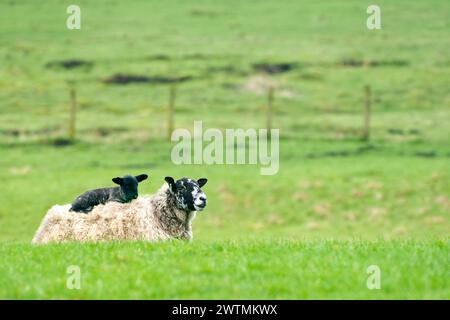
338,203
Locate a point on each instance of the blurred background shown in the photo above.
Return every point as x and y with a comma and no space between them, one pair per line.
363,114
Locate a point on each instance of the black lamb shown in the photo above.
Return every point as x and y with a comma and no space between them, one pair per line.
127,191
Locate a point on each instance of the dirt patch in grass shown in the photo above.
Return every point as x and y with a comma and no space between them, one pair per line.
61,142
356,63
158,57
426,154
197,56
260,85
397,131
124,79
10,132
311,76
341,153
274,68
69,64
104,132
352,63
389,63
28,132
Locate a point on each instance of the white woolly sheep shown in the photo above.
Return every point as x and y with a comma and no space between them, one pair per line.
168,214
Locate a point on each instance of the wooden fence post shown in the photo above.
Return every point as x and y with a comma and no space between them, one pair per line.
270,96
367,103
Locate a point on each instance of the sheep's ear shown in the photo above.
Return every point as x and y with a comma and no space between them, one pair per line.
118,181
141,177
202,181
171,183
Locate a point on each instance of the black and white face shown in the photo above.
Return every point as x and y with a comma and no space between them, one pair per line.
187,193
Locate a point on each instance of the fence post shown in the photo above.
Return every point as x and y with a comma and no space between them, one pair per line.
367,103
270,96
171,110
72,114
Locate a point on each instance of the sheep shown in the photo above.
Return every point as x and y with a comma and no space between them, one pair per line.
168,214
125,193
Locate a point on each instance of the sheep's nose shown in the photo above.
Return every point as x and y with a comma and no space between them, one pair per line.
203,198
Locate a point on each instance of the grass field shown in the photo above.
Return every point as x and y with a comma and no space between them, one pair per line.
244,270
337,205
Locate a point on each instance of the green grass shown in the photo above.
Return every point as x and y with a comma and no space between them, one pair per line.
227,270
320,98
385,201
379,194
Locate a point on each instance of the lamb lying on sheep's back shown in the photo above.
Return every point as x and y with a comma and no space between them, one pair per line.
165,215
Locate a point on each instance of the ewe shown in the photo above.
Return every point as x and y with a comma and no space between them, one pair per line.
168,214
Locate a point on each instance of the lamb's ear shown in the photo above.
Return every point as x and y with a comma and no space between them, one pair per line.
141,177
171,183
202,181
118,181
